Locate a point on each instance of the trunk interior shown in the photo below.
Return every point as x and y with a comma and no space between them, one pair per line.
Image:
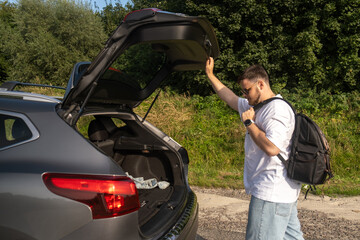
144,151
148,165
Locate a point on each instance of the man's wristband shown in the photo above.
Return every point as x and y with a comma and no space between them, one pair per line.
248,122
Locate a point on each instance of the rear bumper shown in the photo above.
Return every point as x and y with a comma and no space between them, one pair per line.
187,225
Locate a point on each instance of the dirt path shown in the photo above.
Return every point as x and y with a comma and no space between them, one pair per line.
223,215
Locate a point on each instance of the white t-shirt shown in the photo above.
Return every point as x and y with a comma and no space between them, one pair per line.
264,176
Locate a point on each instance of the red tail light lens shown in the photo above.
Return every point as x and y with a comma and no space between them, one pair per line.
107,196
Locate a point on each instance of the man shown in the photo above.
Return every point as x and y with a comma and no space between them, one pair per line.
273,205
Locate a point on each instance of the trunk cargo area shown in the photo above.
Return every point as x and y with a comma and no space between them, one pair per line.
140,151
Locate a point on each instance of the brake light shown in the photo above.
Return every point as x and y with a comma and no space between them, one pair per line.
141,14
114,69
107,196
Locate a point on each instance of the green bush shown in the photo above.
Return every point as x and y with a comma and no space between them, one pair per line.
305,44
48,37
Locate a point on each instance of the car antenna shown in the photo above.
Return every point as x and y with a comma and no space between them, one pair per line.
152,104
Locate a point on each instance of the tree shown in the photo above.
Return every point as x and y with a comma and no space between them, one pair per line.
112,15
49,37
6,23
304,44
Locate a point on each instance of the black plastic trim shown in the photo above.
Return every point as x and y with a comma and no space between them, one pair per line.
187,223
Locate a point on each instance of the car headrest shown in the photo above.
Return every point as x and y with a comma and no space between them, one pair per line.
97,131
20,130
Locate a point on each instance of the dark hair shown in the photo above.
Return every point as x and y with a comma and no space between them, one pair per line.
253,73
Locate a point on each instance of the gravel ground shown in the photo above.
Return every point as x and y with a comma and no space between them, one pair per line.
226,217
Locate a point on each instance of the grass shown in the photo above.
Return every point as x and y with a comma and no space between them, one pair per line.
214,137
210,132
54,92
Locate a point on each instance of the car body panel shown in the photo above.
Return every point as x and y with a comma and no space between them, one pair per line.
21,210
108,229
67,156
41,217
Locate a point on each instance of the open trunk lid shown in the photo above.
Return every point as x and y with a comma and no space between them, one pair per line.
185,41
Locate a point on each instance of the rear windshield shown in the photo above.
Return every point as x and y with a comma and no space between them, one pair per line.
137,66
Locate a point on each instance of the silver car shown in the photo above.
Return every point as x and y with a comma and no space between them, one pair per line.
121,177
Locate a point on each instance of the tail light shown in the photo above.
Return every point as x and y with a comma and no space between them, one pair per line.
107,196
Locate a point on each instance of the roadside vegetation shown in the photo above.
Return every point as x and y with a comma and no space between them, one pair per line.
310,48
214,136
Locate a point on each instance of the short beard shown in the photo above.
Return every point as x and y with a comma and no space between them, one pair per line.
257,100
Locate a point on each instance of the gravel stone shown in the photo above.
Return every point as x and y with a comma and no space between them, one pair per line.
218,224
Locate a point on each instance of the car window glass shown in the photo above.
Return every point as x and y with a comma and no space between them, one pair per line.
8,126
137,66
118,123
83,123
13,130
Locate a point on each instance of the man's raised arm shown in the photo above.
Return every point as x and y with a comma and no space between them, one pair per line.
221,90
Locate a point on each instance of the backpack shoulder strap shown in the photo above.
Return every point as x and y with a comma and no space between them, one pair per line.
260,105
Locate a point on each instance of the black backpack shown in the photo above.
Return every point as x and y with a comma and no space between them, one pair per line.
309,159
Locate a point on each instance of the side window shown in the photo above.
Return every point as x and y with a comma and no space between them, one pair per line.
14,130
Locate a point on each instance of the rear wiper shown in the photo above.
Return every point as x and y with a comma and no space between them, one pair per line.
152,104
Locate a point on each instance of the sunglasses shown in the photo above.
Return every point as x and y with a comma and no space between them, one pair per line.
247,90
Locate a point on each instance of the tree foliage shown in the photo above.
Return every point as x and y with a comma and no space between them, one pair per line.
48,37
305,44
112,15
6,22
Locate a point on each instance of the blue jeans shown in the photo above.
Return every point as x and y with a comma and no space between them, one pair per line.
268,220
